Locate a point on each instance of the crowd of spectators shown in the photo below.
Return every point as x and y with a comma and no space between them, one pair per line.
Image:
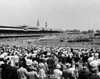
43,62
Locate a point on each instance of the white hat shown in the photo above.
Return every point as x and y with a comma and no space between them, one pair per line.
94,63
28,62
41,65
1,62
35,51
7,57
5,54
35,63
62,55
48,53
58,66
98,60
33,55
90,59
68,64
96,54
2,56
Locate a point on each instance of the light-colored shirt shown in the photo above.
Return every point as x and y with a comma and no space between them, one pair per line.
32,75
42,74
22,73
57,73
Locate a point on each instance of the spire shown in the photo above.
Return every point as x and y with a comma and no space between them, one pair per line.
46,25
38,24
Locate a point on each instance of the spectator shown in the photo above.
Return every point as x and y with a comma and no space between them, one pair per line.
42,74
58,72
32,74
22,72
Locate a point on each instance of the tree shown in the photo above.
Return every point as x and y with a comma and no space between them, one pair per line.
98,31
90,31
84,32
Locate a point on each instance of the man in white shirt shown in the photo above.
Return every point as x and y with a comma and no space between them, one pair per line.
57,72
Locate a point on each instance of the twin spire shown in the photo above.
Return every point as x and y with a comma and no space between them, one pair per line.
38,24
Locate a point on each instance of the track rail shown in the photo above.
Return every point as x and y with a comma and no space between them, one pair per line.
16,36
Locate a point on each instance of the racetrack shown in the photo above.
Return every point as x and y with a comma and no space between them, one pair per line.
51,40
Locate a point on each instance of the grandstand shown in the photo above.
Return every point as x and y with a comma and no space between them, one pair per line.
23,31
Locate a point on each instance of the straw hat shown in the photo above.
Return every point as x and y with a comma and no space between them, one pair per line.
90,59
28,62
41,65
58,66
94,63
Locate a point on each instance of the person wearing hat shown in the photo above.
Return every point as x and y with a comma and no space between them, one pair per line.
96,56
94,65
94,69
35,64
22,72
8,72
28,64
83,73
3,67
32,74
42,74
90,59
51,64
58,72
66,74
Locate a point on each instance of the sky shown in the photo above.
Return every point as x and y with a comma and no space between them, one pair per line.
61,14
